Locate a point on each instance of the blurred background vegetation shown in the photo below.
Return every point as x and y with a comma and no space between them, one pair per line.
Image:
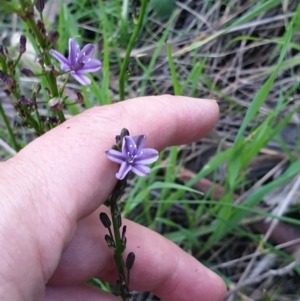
231,199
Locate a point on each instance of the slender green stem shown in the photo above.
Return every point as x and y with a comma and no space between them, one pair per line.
132,40
43,50
118,255
9,129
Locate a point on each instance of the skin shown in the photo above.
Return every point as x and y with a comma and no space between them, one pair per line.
51,194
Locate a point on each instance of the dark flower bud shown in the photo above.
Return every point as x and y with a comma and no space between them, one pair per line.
109,241
27,72
105,220
53,120
123,238
80,98
119,220
40,5
130,261
119,138
123,231
23,104
56,104
9,83
23,41
41,27
53,36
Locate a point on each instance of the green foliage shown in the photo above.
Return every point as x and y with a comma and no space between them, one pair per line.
208,220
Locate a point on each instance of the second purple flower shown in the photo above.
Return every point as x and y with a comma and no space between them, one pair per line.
78,61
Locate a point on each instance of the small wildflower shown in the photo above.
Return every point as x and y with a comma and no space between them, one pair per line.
133,156
78,61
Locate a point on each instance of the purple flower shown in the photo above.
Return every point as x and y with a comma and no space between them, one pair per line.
133,156
78,62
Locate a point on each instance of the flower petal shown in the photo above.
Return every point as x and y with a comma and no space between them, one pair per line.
57,55
140,141
74,51
146,156
141,170
129,147
125,168
82,79
115,156
90,66
87,51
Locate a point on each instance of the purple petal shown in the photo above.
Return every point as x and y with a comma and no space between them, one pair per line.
147,156
129,146
74,51
87,51
82,79
90,66
115,156
141,170
140,141
123,171
57,55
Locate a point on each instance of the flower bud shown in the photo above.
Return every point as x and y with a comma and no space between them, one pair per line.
53,119
105,220
56,104
109,241
53,36
23,101
40,5
23,41
27,72
119,220
130,261
41,27
8,81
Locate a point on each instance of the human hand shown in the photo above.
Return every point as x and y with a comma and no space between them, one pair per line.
51,238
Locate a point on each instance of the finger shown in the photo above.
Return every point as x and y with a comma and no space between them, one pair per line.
160,266
77,293
64,175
